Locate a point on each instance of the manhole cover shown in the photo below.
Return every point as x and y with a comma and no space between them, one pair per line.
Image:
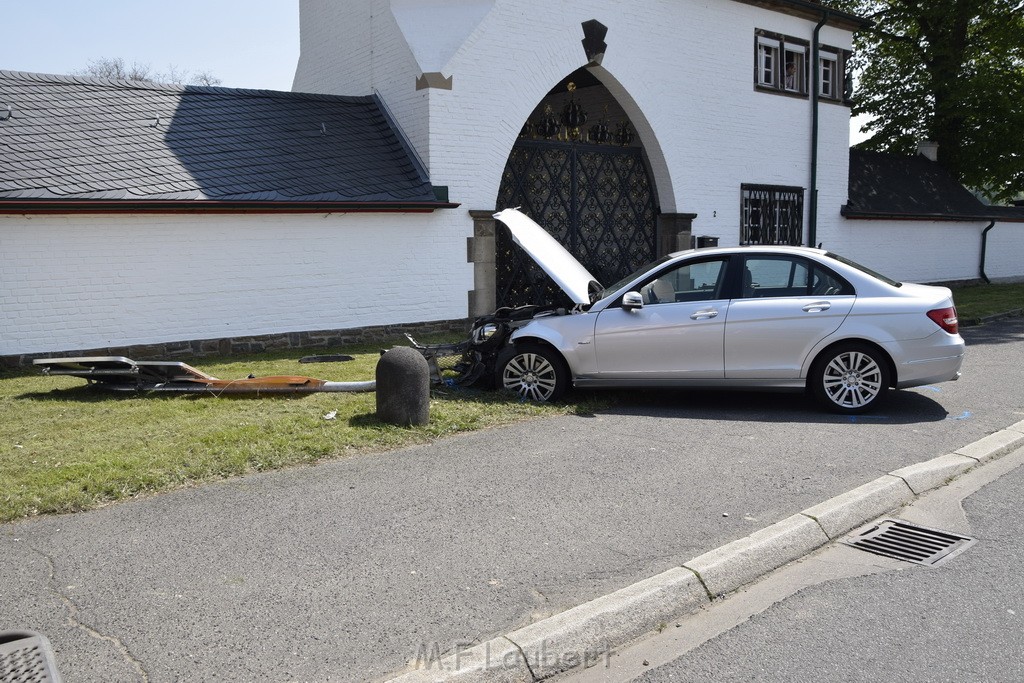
910,542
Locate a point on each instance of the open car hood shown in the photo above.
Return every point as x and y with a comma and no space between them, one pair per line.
551,256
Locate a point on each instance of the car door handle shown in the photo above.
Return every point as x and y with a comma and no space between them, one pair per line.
701,315
817,307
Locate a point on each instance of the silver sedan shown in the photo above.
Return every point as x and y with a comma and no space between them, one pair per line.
787,318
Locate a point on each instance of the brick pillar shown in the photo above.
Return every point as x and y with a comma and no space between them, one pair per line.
482,252
674,231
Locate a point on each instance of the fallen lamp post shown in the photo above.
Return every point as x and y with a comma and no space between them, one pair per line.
124,374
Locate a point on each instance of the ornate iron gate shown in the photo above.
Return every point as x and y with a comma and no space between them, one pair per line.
596,200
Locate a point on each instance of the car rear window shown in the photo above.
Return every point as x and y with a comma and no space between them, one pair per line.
864,269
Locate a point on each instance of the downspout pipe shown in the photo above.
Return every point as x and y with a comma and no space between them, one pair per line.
812,214
984,245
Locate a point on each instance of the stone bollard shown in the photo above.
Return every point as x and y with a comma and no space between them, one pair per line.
403,387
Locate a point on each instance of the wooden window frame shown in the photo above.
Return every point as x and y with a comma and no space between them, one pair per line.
781,46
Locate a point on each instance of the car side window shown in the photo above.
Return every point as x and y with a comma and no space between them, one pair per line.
780,276
826,283
699,281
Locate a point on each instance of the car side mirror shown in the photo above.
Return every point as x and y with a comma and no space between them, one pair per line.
632,301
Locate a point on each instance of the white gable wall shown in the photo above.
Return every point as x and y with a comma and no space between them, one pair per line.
686,68
356,48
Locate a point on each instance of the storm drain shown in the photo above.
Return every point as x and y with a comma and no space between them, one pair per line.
26,657
910,543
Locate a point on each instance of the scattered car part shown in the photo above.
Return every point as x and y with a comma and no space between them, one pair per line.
124,374
473,361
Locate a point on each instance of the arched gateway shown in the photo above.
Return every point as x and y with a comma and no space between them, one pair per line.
579,170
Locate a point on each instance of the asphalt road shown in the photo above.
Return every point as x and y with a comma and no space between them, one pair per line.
349,569
962,621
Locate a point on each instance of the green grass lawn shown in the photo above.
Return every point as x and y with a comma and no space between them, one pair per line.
65,446
977,301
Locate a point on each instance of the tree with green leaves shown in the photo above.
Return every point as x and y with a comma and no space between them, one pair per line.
950,71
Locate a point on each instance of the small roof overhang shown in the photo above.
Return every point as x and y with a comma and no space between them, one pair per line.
814,11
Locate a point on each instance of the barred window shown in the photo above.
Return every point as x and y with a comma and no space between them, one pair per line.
772,214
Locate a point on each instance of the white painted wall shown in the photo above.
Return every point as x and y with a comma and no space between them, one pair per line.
95,281
932,251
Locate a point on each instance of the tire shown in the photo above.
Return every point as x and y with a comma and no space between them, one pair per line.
535,372
850,378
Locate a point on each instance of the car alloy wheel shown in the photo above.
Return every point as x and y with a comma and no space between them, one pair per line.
534,372
850,378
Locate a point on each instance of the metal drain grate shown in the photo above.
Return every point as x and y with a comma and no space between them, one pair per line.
910,542
26,657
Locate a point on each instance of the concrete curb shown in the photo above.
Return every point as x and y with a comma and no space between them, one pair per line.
735,564
584,634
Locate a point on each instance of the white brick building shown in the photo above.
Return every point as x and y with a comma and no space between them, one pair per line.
721,98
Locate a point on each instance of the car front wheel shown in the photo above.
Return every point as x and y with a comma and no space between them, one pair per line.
535,372
850,378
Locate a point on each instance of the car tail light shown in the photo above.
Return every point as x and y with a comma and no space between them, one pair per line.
945,318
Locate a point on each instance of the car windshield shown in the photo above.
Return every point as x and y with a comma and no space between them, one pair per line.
864,269
629,278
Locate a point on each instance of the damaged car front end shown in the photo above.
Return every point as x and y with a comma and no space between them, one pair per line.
473,362
477,360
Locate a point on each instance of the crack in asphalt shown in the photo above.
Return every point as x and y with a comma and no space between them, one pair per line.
73,619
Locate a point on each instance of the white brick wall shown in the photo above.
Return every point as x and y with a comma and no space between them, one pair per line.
94,281
931,251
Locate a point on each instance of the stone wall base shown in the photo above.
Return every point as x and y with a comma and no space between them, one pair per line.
310,340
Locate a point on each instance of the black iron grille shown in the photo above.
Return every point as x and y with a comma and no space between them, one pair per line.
772,214
910,542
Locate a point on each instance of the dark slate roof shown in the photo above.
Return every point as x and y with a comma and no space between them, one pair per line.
1007,213
901,187
78,139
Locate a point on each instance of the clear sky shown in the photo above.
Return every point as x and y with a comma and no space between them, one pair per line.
245,43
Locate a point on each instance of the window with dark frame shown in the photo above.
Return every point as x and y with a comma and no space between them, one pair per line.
767,62
783,66
827,74
771,214
795,80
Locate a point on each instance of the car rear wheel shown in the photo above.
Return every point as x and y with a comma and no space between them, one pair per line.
535,372
850,378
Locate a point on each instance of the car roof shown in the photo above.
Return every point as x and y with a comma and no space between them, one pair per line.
752,248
